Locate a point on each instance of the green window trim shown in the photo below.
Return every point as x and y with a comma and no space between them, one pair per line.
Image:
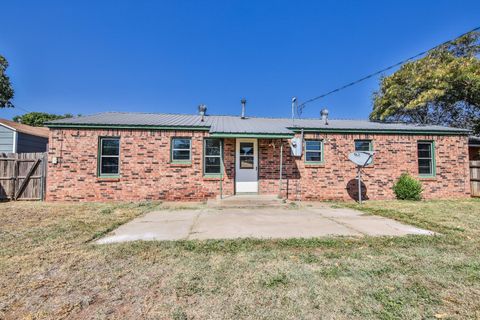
173,149
100,157
369,141
214,174
433,163
370,147
306,150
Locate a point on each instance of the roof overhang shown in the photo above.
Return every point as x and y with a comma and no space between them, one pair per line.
7,126
258,135
252,135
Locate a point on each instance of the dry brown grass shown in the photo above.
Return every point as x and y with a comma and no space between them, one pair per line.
50,269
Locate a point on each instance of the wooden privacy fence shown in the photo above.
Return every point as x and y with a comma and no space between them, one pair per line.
22,176
475,178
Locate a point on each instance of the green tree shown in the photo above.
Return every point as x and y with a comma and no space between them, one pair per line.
38,119
6,90
442,88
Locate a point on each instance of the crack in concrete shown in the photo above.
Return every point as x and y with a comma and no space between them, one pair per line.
340,223
194,223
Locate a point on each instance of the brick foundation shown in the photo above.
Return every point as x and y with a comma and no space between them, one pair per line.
147,173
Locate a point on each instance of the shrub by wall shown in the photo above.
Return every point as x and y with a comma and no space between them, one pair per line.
407,188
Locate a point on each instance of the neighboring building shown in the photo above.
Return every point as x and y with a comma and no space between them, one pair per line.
474,155
135,156
474,148
17,137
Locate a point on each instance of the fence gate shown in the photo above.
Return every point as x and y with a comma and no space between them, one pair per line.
475,178
22,176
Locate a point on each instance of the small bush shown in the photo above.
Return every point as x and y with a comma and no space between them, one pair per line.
407,188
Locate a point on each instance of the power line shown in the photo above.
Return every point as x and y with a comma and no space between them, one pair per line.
301,106
21,108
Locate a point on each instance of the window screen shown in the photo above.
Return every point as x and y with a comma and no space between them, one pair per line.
109,156
425,158
313,151
181,149
363,145
212,156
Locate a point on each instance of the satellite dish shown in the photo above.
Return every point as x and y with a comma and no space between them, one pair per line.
362,158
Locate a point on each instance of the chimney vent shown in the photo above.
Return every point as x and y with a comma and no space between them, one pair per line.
202,110
324,115
243,102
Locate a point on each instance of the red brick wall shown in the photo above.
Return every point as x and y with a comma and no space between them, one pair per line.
147,174
335,179
145,169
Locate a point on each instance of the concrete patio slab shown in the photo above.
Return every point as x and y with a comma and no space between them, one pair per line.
266,223
378,226
157,225
277,222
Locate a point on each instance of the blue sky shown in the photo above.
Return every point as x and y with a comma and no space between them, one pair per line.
169,56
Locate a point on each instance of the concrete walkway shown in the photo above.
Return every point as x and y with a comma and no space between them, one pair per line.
230,223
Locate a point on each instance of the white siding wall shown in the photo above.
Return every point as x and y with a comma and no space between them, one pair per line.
6,139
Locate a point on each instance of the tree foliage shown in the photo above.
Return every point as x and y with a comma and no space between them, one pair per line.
38,119
6,90
441,88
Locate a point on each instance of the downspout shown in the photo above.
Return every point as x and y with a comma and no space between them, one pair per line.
281,168
297,189
221,170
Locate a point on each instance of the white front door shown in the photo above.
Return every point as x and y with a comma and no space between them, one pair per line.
246,168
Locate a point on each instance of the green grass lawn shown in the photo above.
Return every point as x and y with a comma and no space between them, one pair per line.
50,269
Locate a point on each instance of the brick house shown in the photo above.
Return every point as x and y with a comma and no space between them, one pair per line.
136,156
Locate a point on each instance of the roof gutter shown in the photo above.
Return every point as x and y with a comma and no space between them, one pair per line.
120,126
383,131
252,135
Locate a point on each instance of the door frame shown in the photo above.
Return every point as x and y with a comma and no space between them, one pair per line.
256,163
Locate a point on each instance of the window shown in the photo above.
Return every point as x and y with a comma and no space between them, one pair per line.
246,155
212,153
363,145
181,149
426,158
314,151
109,157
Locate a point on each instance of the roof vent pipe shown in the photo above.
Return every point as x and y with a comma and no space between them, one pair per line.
324,115
202,109
294,105
243,102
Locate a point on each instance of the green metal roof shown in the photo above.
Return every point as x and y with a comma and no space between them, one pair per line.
236,126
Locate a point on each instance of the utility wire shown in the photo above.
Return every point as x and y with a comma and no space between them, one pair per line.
21,108
301,106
